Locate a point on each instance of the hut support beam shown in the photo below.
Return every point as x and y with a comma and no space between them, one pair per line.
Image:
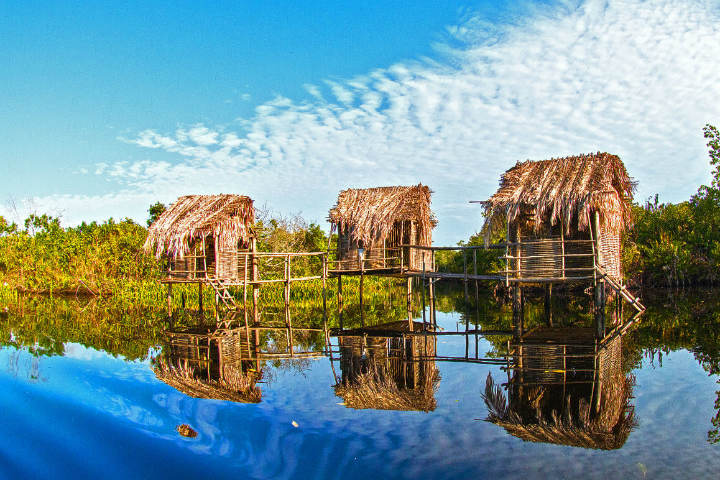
324,287
422,291
431,289
518,319
169,299
340,300
362,309
255,278
200,298
599,298
409,303
548,304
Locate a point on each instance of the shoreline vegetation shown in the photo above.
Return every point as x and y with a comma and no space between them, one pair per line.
669,246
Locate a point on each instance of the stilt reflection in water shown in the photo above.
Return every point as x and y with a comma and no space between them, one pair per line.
564,387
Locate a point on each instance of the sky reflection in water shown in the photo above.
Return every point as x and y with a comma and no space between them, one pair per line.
91,413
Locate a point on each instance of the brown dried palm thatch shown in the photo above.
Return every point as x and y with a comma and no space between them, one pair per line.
233,386
371,212
377,390
561,189
228,217
607,431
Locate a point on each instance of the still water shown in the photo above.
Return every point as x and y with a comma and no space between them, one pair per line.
80,399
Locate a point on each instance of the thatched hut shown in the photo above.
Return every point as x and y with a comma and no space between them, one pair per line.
209,366
561,209
565,394
202,235
388,373
375,222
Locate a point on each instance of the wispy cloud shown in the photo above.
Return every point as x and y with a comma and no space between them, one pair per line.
636,78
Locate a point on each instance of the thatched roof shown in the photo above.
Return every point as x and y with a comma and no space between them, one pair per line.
232,387
228,217
607,430
375,390
572,436
371,212
561,189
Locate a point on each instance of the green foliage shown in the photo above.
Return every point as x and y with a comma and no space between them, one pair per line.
679,244
155,210
713,136
92,257
453,261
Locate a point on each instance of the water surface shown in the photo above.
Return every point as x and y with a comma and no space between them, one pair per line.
80,398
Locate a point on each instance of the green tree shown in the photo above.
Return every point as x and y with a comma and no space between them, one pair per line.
155,210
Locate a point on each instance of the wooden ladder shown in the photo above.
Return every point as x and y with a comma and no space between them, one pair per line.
620,289
222,293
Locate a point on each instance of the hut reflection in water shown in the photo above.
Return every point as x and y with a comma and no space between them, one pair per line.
564,388
388,372
210,365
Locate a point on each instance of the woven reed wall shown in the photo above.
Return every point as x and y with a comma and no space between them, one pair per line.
385,254
409,365
543,258
610,256
547,379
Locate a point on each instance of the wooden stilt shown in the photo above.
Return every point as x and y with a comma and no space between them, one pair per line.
255,278
548,304
517,310
324,287
288,318
422,295
409,303
362,309
169,299
340,301
431,290
200,298
599,304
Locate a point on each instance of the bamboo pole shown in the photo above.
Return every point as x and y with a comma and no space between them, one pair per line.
340,300
409,303
548,304
562,245
362,309
324,290
255,278
423,293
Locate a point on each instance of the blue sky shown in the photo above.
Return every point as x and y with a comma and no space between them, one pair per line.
108,108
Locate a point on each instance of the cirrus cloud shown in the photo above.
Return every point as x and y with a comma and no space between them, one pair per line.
635,78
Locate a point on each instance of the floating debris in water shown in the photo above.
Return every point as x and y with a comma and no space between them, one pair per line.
295,424
186,431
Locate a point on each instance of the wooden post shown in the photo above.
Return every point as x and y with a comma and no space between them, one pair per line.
548,304
475,271
599,298
245,282
465,273
288,321
324,284
423,292
255,278
432,301
200,297
409,303
517,295
169,299
562,245
362,309
340,300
